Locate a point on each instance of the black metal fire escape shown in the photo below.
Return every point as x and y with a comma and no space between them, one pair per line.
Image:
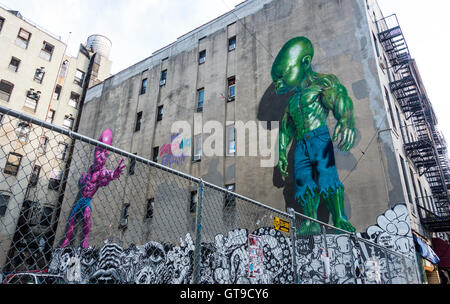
428,151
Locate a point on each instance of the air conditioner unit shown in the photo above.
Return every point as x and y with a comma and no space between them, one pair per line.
162,82
229,99
197,157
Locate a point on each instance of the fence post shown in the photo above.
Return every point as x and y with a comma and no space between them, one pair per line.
198,234
324,234
294,246
388,268
352,259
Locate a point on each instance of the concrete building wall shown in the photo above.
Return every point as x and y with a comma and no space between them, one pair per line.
342,33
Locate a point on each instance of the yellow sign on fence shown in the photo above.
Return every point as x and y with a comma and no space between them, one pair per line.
281,225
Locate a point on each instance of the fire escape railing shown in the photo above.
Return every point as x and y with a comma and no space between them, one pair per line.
428,151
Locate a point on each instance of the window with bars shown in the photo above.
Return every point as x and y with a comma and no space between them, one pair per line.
6,89
47,51
14,64
23,38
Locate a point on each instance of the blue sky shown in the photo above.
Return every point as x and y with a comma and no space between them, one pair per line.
137,28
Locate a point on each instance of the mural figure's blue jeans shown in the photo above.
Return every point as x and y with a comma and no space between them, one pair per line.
81,205
315,154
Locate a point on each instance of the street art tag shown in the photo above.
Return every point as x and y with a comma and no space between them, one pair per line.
281,225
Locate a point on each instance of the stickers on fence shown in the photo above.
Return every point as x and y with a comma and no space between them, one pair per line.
255,254
281,225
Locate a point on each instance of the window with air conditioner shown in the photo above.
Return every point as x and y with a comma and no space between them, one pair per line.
55,180
200,100
232,44
68,122
202,57
231,88
162,81
39,75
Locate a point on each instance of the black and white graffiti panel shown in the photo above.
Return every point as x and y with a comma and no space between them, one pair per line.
232,259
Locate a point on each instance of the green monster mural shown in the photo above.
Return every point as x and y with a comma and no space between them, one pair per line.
305,117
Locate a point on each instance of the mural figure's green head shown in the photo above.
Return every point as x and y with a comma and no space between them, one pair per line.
292,64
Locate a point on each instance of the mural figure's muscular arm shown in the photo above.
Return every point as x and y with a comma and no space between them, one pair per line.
336,99
287,133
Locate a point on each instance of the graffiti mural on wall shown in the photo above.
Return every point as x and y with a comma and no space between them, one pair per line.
305,119
96,177
169,153
226,260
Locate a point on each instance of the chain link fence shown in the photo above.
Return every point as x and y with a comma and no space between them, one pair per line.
149,224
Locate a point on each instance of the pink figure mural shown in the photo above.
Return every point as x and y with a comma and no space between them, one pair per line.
98,176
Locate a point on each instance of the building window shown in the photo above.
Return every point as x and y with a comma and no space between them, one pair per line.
150,208
231,141
74,100
4,200
62,151
162,81
229,198
13,163
123,224
2,21
14,64
200,100
55,180
6,89
137,128
57,92
193,202
132,169
68,122
23,131
39,75
406,179
160,113
202,57
47,51
197,148
144,86
391,112
231,88
232,44
50,116
46,217
79,78
31,102
23,38
35,176
43,145
375,41
155,154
